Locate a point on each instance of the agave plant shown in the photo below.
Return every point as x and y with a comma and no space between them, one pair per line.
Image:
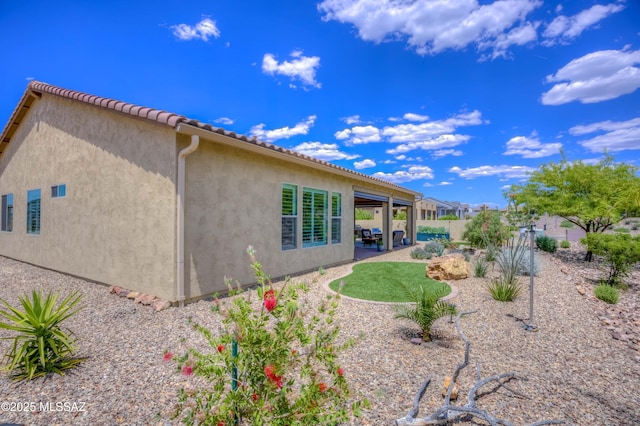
40,347
425,309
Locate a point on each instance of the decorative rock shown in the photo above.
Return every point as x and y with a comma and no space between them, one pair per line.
160,305
416,341
448,267
445,388
114,289
123,292
139,297
146,299
132,295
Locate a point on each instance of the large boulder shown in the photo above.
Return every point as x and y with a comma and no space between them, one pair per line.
448,267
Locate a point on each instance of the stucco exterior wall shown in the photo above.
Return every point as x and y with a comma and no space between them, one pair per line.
233,200
116,224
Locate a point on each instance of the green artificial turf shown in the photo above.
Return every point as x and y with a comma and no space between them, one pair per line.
382,281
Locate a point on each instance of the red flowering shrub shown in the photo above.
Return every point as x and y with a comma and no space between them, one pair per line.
282,369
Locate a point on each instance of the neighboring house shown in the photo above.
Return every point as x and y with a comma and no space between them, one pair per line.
158,203
427,210
444,208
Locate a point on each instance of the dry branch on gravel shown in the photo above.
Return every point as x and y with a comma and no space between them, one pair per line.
448,412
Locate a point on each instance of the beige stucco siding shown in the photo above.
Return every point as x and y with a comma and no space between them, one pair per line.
233,200
116,224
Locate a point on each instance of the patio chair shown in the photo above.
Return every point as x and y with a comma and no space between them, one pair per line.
377,232
397,237
368,238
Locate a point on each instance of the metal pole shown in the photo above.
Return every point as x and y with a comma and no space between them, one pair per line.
532,232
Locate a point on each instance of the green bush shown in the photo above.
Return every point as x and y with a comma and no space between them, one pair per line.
275,362
448,217
566,224
620,251
400,215
503,289
485,229
363,214
431,230
434,247
41,347
491,253
420,253
621,230
480,268
425,310
606,293
565,244
548,244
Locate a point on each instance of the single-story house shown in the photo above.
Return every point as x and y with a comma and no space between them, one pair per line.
444,208
165,205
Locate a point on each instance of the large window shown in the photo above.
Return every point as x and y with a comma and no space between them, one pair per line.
314,217
336,217
7,212
289,216
33,211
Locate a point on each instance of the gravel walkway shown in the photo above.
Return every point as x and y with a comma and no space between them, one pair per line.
572,368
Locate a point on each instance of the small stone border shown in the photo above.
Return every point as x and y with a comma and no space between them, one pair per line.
349,271
156,303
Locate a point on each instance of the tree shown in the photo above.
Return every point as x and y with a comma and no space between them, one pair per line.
591,196
485,229
620,251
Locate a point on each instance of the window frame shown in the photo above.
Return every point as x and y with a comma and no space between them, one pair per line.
336,218
34,217
7,213
59,191
290,217
314,222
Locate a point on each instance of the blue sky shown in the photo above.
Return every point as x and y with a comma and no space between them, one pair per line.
455,99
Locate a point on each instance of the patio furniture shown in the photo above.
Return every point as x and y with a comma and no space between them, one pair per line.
397,237
368,238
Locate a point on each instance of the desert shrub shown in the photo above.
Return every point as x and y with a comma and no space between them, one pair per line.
606,293
480,268
434,247
635,227
420,253
431,230
491,253
274,361
484,229
515,259
565,244
503,289
425,309
620,252
41,346
621,230
548,244
448,217
566,224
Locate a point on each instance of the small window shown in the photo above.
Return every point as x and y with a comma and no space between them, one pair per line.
7,212
336,218
33,211
59,191
289,216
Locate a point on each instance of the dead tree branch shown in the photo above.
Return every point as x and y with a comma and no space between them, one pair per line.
448,412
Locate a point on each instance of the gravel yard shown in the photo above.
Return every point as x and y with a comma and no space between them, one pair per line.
572,368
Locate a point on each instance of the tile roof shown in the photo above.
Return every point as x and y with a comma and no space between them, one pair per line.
36,88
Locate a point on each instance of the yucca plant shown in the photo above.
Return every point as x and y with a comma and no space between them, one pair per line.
40,347
503,289
425,309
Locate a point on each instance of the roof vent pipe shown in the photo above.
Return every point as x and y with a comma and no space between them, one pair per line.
195,141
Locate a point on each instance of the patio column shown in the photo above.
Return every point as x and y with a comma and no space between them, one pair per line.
387,232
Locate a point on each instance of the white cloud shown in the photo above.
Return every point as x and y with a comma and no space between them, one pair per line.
564,28
444,152
323,151
439,142
352,119
301,128
524,34
359,135
364,164
595,77
431,27
415,117
300,67
410,132
531,147
412,173
445,183
485,171
202,30
615,136
224,120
